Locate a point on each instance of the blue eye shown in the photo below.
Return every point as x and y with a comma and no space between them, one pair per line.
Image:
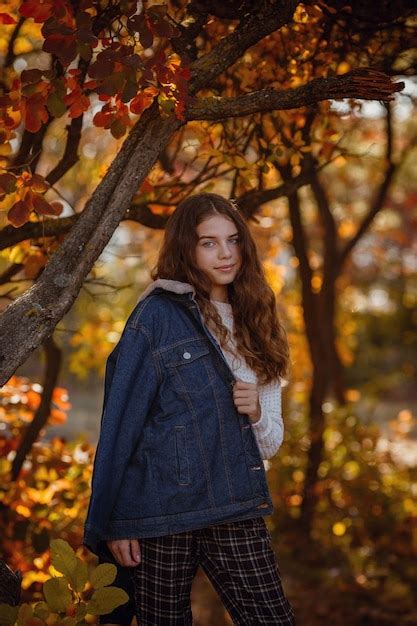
235,240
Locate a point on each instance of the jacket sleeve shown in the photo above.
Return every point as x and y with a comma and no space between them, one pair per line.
131,384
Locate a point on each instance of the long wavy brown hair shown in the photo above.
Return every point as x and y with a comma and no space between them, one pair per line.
259,335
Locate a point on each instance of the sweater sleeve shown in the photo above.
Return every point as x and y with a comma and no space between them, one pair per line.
269,429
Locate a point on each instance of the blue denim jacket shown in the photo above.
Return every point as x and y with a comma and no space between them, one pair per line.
174,454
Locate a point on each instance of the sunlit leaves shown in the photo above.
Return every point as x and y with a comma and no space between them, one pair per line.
38,11
106,599
143,100
52,488
27,190
8,614
116,67
103,575
65,561
57,594
6,19
65,601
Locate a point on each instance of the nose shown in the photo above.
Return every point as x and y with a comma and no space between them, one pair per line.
225,251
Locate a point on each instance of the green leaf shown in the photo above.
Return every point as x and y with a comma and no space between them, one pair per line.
80,577
117,129
24,614
103,575
57,594
106,599
55,105
8,182
81,612
8,614
65,561
41,609
68,621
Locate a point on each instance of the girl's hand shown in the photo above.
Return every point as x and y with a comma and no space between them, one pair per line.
246,399
125,551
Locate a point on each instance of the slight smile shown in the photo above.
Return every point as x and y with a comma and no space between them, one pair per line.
225,268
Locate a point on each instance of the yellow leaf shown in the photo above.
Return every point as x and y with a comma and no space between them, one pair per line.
103,575
64,560
106,599
8,614
57,594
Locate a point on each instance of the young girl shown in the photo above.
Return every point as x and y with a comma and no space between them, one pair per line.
192,406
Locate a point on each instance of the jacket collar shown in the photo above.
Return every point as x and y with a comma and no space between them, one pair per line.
173,286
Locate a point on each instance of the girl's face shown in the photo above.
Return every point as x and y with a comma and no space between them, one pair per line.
218,251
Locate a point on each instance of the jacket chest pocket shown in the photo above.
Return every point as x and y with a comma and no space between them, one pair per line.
188,365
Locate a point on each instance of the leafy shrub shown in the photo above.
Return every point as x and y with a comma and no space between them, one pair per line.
71,596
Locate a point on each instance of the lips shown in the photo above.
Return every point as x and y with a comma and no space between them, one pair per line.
224,267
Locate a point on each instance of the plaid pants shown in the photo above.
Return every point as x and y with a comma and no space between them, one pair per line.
238,560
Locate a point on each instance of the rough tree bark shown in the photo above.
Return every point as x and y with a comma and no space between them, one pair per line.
34,315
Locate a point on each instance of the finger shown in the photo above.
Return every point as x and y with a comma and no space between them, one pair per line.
135,550
244,395
110,545
246,408
241,384
123,553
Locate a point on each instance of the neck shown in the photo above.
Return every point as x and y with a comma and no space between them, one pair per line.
218,293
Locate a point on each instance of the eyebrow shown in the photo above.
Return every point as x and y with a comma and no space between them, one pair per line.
214,236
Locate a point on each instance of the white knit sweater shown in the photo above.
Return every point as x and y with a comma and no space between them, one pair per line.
269,429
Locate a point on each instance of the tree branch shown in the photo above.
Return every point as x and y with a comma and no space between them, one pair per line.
53,365
378,201
265,18
364,84
47,301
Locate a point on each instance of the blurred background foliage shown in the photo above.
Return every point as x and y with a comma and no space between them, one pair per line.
330,194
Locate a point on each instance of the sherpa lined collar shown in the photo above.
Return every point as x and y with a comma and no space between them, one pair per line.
170,285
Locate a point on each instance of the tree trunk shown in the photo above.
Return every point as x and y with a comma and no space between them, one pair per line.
45,303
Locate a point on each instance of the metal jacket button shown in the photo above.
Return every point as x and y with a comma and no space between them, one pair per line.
186,355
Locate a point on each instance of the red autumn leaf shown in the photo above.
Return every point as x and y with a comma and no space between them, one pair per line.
19,213
143,100
31,76
6,19
90,84
33,400
180,110
78,107
39,184
60,398
42,206
64,46
117,128
39,10
146,187
57,208
101,68
7,182
57,417
35,113
102,119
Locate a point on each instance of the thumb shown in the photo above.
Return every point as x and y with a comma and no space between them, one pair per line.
135,550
